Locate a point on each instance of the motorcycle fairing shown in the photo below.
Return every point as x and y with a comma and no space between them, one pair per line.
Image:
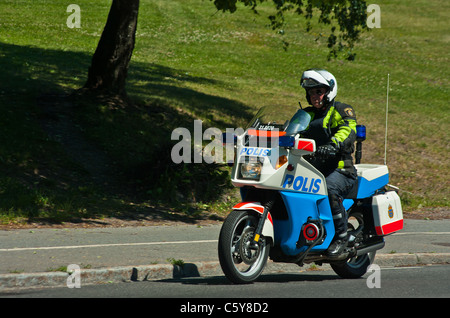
312,206
303,178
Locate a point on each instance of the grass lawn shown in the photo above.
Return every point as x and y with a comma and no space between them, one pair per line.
191,62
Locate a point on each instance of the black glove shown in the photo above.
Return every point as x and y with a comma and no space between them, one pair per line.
326,151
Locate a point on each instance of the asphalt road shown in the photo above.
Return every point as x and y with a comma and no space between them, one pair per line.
399,282
35,258
42,250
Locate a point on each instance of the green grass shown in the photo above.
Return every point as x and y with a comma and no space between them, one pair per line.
191,62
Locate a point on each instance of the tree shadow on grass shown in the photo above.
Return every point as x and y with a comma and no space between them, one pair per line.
33,71
77,144
160,82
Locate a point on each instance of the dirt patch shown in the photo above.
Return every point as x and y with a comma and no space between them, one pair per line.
151,217
439,213
107,222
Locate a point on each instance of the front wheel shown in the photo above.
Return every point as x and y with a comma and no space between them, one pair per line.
241,259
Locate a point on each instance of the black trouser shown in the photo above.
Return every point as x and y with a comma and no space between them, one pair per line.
339,185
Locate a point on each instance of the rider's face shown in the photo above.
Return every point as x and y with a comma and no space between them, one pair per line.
316,96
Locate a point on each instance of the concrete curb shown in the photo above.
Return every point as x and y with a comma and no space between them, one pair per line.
198,269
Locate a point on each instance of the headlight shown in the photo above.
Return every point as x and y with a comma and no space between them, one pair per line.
251,169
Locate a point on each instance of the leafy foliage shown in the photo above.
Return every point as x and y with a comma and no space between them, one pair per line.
350,15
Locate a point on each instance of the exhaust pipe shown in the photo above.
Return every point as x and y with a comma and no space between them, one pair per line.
370,248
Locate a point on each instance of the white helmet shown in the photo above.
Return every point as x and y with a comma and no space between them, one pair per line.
319,78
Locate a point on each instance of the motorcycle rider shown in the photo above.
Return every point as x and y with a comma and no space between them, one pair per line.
333,127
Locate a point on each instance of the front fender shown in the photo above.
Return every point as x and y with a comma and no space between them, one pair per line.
267,230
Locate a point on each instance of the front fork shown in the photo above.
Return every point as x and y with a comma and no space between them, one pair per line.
259,228
265,222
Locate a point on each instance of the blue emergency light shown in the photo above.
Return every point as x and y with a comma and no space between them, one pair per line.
286,141
360,137
360,132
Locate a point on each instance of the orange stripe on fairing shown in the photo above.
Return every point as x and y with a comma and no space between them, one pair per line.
266,133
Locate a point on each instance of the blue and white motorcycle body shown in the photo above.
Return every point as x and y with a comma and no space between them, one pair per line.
285,213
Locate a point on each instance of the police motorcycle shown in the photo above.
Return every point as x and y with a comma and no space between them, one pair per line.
285,214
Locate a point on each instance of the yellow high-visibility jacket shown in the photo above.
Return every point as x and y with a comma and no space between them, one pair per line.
335,125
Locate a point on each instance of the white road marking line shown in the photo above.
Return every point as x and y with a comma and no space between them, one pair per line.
161,243
402,267
101,245
415,233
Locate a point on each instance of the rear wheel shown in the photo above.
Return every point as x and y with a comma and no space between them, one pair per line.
241,259
357,266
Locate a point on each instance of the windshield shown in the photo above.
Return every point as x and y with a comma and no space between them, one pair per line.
288,119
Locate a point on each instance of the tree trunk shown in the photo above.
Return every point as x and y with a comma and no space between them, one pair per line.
109,68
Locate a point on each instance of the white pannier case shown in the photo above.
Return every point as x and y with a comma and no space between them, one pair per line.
387,213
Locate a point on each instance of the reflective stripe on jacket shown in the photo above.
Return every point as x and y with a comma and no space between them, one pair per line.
334,125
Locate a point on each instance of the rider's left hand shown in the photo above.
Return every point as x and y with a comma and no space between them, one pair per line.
326,151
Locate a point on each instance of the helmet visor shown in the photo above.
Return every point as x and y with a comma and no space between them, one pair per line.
310,82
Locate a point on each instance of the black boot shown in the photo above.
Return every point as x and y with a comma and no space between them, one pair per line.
337,246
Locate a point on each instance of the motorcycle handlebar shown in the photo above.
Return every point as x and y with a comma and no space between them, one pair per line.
315,156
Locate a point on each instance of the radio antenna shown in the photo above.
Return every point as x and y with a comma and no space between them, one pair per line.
387,110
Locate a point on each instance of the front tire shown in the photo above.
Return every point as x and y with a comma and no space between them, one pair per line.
241,260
